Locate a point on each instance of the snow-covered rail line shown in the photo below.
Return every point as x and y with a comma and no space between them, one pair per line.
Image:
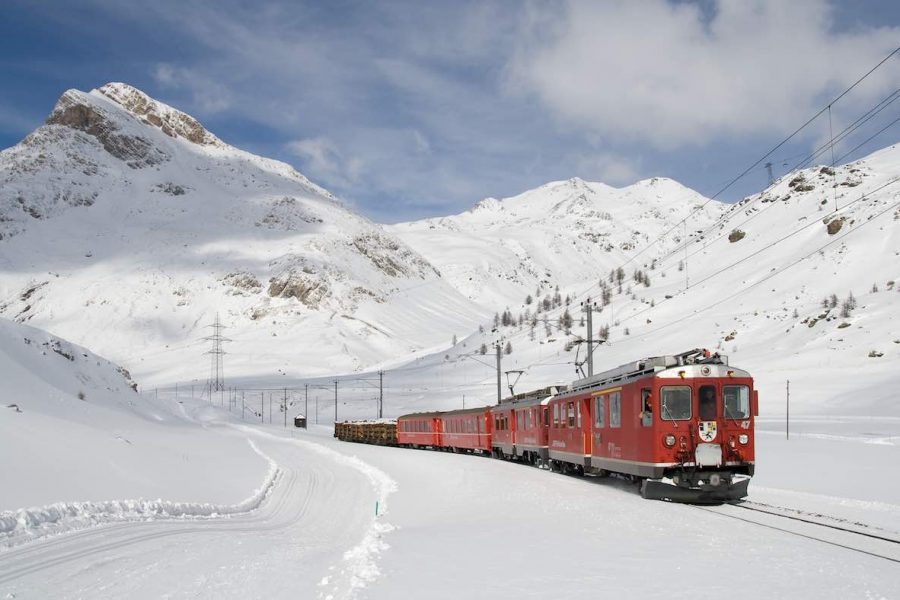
871,544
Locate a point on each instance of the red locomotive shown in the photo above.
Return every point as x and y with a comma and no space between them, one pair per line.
681,425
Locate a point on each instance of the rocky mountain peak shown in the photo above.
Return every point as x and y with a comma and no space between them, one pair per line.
79,111
170,121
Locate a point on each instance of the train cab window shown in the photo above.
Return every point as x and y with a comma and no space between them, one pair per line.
736,401
646,408
600,411
675,403
571,409
707,403
615,409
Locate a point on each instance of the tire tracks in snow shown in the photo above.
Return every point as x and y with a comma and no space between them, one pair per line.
359,564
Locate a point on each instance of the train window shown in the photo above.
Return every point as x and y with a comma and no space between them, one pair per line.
520,419
646,408
600,411
571,409
578,414
736,400
615,409
707,403
547,417
556,415
675,403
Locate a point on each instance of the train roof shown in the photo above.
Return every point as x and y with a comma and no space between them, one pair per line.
656,365
445,413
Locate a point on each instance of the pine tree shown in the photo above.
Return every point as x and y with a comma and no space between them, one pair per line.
508,349
483,349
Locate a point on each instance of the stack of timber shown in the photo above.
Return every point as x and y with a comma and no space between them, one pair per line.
382,432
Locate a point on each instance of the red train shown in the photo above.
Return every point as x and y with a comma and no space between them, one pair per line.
681,425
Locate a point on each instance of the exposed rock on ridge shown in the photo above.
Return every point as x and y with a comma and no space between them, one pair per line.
170,121
75,110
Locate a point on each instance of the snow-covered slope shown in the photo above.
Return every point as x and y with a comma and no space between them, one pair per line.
562,233
764,282
126,226
73,429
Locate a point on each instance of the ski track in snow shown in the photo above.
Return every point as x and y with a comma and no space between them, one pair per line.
359,564
28,524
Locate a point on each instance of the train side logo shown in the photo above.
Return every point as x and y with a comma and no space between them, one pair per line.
707,430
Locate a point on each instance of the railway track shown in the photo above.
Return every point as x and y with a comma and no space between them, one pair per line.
842,533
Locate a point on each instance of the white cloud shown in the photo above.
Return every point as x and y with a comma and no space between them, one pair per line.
207,95
323,160
607,168
672,76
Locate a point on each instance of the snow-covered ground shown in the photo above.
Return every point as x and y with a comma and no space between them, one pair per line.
450,526
112,494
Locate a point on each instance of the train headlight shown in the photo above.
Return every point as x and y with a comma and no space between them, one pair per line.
744,438
669,440
715,479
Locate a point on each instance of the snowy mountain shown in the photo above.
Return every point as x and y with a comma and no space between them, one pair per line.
126,226
562,233
796,283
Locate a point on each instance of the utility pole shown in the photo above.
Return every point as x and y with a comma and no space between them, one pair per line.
769,168
306,403
499,370
787,415
588,307
687,283
380,394
262,410
284,404
335,401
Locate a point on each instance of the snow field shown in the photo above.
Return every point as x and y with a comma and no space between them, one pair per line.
22,525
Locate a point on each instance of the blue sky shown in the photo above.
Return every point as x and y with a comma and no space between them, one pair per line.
413,109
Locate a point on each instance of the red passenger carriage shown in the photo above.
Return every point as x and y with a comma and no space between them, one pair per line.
467,430
520,426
